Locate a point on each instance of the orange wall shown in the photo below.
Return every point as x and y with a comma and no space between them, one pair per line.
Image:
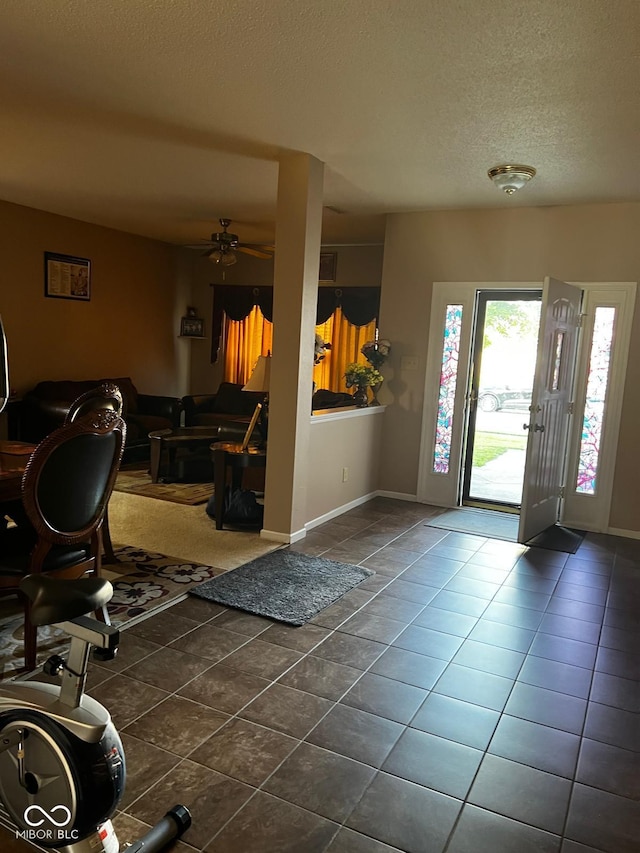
139,289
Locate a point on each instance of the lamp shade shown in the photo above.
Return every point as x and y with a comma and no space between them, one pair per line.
259,379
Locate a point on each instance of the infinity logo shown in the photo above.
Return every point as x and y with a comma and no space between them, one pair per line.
48,816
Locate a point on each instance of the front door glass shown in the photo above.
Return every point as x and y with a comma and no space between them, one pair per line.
597,382
504,357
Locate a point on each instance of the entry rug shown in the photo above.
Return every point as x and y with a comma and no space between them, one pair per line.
143,582
283,585
502,525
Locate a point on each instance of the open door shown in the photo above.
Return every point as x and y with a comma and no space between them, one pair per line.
549,411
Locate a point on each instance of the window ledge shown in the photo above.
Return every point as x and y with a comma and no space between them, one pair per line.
338,414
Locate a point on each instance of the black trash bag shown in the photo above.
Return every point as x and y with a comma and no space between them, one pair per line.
241,507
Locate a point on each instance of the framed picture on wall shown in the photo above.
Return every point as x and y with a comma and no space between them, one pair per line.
328,266
191,327
67,277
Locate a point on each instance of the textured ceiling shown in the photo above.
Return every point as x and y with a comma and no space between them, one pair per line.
159,116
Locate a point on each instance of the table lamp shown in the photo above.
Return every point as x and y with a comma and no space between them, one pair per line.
259,381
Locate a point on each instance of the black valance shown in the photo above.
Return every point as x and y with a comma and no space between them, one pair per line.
360,305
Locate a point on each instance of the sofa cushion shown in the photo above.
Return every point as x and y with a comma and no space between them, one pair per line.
139,426
230,399
58,395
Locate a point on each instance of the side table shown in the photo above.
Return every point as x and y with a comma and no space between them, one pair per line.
230,454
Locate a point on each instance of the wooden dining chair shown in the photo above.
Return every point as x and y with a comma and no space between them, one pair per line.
65,490
104,396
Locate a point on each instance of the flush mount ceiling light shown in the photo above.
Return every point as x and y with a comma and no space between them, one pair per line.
511,178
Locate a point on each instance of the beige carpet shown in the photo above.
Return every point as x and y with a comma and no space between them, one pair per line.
187,531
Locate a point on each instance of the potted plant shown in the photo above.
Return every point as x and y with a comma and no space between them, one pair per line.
361,377
376,352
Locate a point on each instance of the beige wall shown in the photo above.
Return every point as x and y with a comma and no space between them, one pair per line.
139,290
585,243
340,441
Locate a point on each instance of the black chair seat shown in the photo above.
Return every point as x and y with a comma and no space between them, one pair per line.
60,600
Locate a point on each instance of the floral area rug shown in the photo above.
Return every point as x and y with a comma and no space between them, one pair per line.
142,581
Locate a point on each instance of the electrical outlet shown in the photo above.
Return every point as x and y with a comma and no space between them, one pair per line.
345,475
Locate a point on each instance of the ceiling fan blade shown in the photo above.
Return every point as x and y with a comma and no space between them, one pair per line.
256,253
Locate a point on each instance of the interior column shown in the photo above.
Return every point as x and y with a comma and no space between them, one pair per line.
295,293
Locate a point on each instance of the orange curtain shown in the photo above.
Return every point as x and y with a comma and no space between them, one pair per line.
244,341
346,341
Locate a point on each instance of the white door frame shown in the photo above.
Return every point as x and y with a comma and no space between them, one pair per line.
588,512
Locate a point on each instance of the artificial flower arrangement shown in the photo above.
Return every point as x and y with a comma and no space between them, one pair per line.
361,375
376,352
320,349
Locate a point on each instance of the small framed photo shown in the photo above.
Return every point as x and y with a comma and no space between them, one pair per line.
67,277
192,327
328,266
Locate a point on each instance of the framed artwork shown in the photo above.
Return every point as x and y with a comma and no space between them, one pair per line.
192,327
328,266
67,277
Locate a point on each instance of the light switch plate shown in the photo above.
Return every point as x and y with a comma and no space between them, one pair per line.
409,362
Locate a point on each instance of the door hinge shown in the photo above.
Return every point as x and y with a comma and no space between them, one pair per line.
570,407
581,320
561,492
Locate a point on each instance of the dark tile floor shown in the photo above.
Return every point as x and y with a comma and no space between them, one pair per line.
473,696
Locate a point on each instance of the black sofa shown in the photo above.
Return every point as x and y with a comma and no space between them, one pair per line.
231,405
44,408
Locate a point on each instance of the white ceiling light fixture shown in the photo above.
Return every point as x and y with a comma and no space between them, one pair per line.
511,178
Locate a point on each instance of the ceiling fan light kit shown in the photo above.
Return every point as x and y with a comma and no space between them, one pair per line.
511,178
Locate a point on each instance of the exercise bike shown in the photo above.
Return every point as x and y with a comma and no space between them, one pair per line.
62,764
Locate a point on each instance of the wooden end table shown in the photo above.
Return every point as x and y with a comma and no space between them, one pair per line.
230,454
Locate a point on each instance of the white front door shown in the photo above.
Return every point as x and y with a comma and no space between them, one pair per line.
549,413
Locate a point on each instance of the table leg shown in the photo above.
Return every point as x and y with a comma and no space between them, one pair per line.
220,477
107,546
155,454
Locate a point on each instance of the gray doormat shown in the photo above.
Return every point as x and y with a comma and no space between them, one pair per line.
503,525
283,585
481,522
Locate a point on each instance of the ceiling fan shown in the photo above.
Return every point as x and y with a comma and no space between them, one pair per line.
222,247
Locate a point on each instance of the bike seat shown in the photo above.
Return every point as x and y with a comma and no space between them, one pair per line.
58,600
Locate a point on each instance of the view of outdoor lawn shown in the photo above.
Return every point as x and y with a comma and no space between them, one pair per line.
504,395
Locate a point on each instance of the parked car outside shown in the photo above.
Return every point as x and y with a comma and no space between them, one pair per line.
496,399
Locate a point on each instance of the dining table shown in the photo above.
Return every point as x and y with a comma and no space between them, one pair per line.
14,456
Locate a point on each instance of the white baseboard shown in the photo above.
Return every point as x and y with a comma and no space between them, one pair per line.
334,513
284,538
398,496
619,531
